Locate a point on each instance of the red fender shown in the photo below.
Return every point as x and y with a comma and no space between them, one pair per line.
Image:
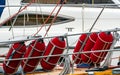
88,46
103,41
16,51
55,46
35,49
77,57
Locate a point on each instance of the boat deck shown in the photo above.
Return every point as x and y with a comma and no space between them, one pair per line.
80,71
77,71
57,71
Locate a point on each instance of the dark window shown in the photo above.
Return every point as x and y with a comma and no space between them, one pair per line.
35,19
70,1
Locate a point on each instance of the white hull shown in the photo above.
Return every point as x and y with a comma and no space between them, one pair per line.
84,19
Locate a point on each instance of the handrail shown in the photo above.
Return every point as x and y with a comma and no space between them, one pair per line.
71,5
111,50
67,67
27,38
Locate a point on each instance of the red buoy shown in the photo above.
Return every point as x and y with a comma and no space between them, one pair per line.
55,46
16,51
77,57
103,42
35,49
88,46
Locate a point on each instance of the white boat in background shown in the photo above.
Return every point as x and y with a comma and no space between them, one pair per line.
72,18
25,21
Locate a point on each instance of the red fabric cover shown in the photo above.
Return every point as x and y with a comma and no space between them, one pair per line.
88,46
35,49
55,46
103,41
77,57
16,51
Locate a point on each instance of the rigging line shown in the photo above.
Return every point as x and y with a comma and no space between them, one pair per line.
43,19
11,27
98,16
89,34
10,20
14,20
111,50
83,17
47,18
36,16
9,11
97,19
54,18
95,23
24,24
93,1
16,13
92,28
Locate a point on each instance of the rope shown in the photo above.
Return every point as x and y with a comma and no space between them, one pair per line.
16,13
91,29
88,56
47,18
97,19
106,46
10,20
15,50
9,11
30,54
80,50
56,45
102,53
54,19
66,66
64,54
51,53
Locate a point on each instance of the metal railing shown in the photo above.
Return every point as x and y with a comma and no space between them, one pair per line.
66,55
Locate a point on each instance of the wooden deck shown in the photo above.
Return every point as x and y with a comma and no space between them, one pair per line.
57,71
78,71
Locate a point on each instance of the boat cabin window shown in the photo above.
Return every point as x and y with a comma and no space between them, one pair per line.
35,19
70,1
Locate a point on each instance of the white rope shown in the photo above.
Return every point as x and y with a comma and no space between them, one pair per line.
49,62
10,20
92,40
26,61
66,66
80,50
57,46
102,39
111,50
40,51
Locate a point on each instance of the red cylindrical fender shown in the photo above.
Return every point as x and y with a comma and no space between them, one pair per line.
17,50
88,46
103,41
55,46
77,57
35,49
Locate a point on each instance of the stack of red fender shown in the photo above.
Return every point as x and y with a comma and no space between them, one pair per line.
94,42
35,49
